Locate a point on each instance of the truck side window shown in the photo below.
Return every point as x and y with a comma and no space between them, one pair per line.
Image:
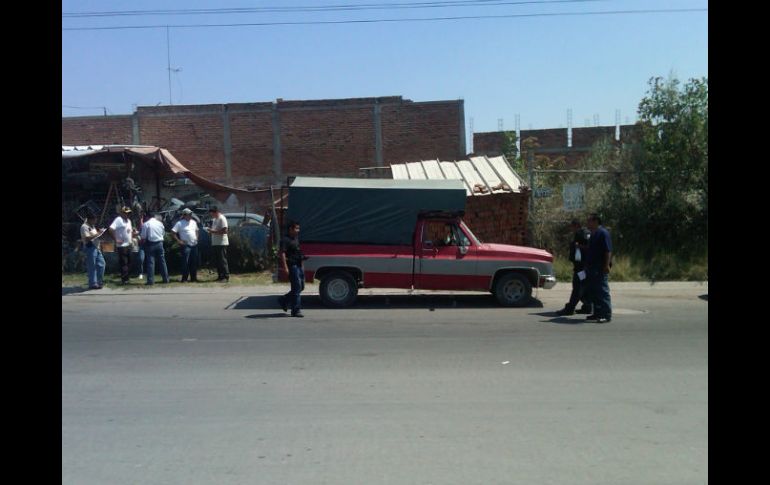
459,236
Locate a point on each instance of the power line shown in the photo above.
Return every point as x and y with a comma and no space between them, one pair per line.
319,8
370,21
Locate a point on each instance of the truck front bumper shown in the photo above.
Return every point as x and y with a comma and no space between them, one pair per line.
547,282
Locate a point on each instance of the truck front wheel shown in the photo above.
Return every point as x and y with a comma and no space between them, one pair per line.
513,289
338,289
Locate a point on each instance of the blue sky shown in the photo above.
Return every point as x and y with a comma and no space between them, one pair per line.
535,67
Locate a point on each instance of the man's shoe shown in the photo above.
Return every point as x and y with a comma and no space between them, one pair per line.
603,320
141,276
565,312
284,305
583,310
148,284
183,280
94,287
592,317
298,315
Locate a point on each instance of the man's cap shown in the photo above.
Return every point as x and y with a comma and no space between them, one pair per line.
213,208
186,211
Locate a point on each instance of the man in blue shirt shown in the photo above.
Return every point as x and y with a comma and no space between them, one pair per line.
598,263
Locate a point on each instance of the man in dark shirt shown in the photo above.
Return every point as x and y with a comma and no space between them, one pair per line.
577,248
291,262
598,263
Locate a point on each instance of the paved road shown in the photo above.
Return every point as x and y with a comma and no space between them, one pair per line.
217,386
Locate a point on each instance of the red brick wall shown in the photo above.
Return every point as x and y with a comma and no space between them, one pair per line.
321,141
251,138
422,131
96,130
490,143
317,137
499,218
196,140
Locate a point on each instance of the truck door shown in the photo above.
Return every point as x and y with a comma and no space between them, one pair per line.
445,257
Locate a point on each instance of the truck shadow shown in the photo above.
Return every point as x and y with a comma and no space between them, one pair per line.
382,302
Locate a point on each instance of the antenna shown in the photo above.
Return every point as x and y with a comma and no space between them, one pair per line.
499,124
617,124
596,119
569,128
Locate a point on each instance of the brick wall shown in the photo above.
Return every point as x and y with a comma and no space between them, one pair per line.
422,131
323,141
318,137
96,130
499,218
490,143
194,136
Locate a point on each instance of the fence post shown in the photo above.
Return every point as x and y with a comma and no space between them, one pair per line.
531,163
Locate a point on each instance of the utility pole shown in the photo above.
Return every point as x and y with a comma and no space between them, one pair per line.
168,57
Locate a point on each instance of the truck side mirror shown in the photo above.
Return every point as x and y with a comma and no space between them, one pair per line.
463,249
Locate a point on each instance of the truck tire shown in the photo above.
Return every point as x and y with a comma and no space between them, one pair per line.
513,289
338,289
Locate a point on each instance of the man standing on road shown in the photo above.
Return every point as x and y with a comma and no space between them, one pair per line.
153,232
577,248
219,243
123,232
598,263
185,231
89,235
291,263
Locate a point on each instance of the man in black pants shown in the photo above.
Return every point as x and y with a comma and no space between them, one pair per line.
291,262
577,249
123,232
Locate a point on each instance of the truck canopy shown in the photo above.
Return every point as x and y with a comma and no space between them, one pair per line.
368,211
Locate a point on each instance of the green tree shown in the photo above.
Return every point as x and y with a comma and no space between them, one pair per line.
663,207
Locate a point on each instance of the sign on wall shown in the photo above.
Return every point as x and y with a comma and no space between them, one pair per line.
574,196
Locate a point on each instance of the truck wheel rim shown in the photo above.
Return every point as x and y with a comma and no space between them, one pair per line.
513,291
338,290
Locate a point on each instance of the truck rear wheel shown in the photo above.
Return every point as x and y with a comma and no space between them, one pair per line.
513,289
338,289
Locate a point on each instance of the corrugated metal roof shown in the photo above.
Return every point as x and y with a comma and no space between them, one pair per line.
481,175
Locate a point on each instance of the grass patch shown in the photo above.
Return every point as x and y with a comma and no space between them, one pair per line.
659,268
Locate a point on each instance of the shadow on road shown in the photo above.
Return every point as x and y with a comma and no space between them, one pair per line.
268,315
379,302
68,290
562,320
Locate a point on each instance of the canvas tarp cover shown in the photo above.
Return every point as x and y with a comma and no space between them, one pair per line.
367,211
166,162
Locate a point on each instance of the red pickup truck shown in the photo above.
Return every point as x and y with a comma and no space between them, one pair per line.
361,233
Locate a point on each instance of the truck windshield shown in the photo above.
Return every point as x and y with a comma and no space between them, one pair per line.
470,233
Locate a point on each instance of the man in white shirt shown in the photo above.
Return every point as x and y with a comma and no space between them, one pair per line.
219,243
89,235
153,233
123,232
185,231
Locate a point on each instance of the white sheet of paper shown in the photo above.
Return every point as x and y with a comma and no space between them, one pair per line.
581,275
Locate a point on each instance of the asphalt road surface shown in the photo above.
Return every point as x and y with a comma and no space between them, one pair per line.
219,386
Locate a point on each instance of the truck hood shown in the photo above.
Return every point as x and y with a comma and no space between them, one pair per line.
507,251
